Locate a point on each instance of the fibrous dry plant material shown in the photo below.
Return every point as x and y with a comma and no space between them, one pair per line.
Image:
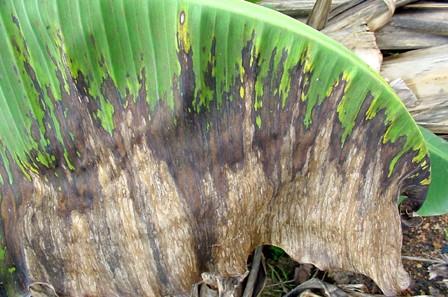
425,73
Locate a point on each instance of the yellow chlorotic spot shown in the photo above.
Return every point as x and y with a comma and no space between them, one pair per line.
242,92
183,32
242,71
302,96
308,67
424,163
371,112
258,121
425,182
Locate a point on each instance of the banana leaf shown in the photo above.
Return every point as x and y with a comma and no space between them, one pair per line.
146,145
436,202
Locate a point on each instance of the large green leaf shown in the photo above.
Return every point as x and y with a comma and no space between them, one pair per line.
92,38
436,202
143,142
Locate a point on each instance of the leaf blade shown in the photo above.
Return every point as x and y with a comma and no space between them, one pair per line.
436,202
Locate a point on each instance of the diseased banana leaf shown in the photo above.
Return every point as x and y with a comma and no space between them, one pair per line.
437,199
144,142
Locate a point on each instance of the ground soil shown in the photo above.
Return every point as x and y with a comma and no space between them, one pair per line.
428,240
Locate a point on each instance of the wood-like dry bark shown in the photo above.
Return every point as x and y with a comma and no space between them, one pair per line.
353,24
393,37
425,72
296,7
417,25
